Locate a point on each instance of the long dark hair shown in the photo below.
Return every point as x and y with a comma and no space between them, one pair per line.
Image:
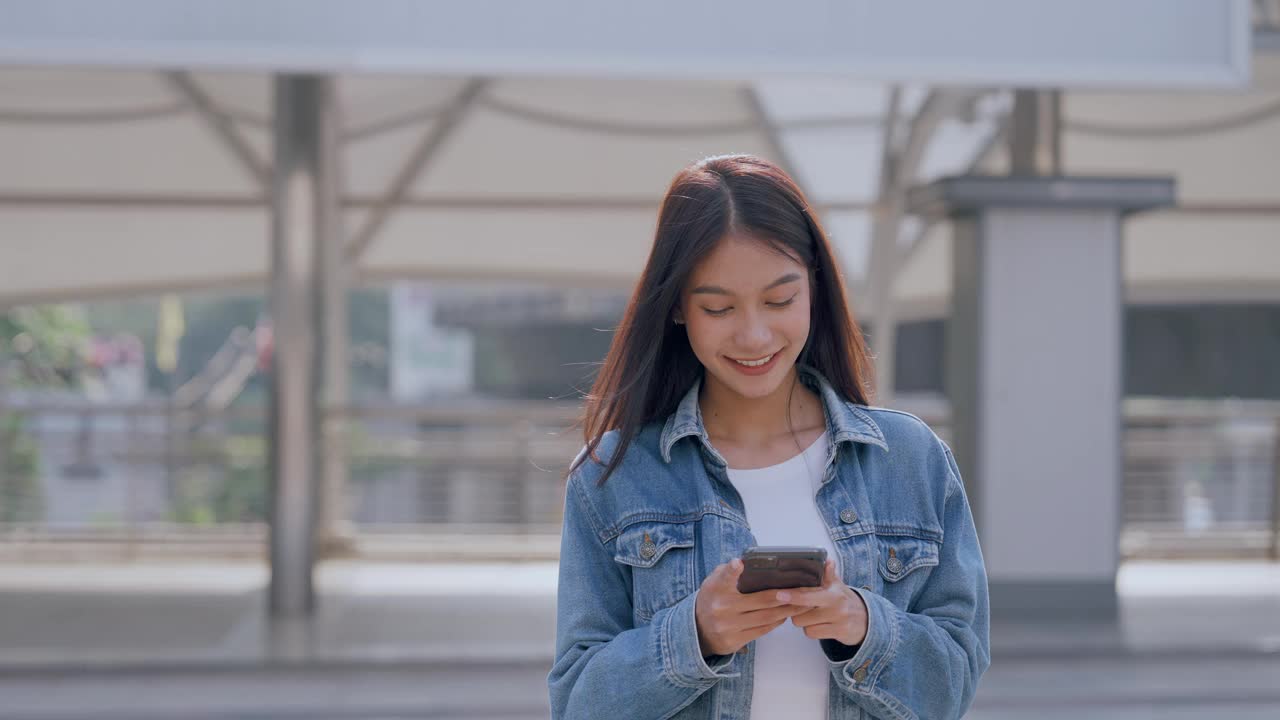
650,365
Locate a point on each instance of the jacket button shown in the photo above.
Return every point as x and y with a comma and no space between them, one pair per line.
894,565
860,674
848,516
648,550
866,587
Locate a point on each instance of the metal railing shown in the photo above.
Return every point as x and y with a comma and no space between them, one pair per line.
142,476
1200,477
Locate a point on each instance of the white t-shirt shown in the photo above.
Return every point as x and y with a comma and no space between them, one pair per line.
791,675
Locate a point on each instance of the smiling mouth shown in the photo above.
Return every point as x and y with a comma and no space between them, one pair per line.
755,363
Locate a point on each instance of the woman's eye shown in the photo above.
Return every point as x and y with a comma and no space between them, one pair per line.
724,311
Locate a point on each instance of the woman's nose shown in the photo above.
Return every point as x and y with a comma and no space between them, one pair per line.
754,332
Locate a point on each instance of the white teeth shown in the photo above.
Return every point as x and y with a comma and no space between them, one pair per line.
753,363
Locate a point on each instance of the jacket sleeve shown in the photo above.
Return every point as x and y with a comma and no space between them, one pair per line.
604,667
926,664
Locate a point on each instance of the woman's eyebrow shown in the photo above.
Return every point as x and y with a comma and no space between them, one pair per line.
717,290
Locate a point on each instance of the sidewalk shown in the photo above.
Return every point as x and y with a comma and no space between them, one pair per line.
153,641
163,614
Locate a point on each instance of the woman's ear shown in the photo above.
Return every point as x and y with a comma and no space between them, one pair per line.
677,316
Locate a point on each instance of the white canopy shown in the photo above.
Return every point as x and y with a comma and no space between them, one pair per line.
123,181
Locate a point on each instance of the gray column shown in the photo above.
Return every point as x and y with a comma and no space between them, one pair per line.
4,419
1034,373
303,197
1035,133
334,534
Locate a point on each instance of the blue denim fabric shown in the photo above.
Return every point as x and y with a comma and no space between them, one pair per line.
635,551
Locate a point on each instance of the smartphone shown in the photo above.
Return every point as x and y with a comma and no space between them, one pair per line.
781,566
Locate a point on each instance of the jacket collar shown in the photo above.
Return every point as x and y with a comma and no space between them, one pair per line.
846,421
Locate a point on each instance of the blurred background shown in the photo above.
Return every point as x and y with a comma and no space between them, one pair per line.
298,301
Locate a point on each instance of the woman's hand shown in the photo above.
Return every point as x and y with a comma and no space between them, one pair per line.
833,611
727,619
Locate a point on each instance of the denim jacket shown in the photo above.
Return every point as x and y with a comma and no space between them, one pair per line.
635,551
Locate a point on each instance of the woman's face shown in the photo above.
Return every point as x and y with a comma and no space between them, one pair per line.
746,307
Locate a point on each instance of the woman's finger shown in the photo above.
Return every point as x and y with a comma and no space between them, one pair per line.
816,616
830,578
758,600
757,632
810,597
767,616
823,631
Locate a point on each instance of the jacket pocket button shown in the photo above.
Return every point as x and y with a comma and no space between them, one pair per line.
647,548
848,516
894,565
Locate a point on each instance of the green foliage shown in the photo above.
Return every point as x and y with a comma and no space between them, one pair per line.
210,319
243,495
365,463
227,482
46,344
21,499
40,345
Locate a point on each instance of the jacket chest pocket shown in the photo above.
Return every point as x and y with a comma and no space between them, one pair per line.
661,558
905,563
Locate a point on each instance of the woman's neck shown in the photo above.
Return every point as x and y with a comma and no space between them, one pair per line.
740,420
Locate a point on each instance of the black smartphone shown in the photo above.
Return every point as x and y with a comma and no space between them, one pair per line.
781,566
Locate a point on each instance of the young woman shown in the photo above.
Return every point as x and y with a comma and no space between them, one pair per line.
731,411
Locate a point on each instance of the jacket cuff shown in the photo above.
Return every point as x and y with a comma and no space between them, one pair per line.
858,674
682,660
837,651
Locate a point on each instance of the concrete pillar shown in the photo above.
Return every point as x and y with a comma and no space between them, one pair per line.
1034,374
334,531
303,224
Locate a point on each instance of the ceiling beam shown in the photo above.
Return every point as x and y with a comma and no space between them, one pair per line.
764,124
220,124
431,142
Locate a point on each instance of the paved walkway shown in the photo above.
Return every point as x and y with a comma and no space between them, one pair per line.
165,640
